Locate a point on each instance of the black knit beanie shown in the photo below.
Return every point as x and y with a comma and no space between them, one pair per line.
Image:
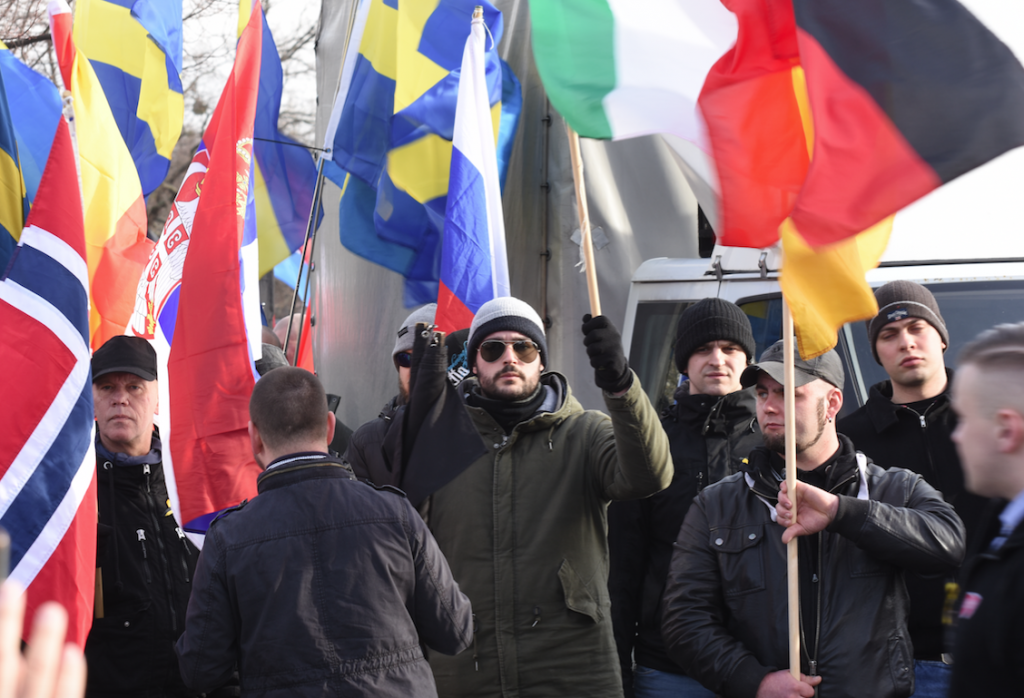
710,320
902,299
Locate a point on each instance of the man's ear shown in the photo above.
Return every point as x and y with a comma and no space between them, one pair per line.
256,443
835,402
332,423
1009,430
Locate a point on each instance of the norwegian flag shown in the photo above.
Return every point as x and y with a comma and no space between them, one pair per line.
47,466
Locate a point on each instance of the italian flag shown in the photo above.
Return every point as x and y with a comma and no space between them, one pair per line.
623,68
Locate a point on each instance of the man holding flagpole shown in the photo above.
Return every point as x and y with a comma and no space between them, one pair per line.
860,527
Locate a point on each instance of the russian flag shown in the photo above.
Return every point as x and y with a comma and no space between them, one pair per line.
474,263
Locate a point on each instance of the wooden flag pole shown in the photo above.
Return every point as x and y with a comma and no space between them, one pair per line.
581,206
792,562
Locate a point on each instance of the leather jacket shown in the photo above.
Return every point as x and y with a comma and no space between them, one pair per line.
725,610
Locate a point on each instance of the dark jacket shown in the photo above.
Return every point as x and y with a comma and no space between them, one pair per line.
989,647
525,531
147,566
321,586
897,436
364,452
709,438
725,606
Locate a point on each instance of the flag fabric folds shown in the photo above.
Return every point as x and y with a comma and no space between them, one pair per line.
201,322
32,111
823,120
284,174
474,262
392,125
117,248
135,49
47,462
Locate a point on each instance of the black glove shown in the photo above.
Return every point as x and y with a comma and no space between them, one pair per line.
604,347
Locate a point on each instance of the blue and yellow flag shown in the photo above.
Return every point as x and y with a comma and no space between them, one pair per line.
135,48
285,174
27,127
393,127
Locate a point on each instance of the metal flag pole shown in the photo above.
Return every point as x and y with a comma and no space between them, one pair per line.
792,561
584,215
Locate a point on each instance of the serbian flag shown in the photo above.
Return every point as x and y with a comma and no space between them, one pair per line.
201,322
474,262
117,248
47,464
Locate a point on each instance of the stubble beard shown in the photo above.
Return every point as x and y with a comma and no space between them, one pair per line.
778,443
509,394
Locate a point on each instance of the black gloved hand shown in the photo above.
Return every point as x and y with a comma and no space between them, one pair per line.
604,347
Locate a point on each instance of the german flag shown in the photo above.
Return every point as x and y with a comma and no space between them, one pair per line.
837,114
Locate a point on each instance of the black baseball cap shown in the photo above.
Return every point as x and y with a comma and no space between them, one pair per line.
124,354
828,367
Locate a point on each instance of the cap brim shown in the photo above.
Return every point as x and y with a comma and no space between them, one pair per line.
777,371
134,370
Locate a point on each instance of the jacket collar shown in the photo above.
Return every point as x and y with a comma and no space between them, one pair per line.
713,415
296,467
121,459
558,402
884,413
764,470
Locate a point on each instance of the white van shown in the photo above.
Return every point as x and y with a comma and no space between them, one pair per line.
973,295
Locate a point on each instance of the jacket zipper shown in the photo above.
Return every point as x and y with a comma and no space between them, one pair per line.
141,534
188,553
161,550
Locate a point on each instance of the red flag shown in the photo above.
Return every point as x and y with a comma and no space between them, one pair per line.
209,370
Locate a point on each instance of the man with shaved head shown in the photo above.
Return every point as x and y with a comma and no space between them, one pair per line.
322,585
725,605
988,397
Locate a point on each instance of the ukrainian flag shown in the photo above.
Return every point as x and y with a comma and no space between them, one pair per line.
135,49
394,132
27,127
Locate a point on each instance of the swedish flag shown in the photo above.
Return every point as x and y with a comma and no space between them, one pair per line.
27,127
394,129
135,49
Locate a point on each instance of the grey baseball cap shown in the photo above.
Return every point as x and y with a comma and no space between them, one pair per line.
828,367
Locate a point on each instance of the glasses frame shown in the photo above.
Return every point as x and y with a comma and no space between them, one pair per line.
403,359
529,345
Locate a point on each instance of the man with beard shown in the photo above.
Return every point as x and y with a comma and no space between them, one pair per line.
860,527
908,422
711,428
523,526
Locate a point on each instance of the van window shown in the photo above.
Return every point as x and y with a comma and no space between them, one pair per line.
968,309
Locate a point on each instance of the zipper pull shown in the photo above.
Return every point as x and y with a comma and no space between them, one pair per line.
924,424
814,667
142,541
188,553
814,578
700,480
476,652
536,616
145,471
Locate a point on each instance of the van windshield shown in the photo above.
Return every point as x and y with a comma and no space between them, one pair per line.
967,308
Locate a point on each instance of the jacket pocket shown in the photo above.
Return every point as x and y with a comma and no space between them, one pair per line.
901,664
740,558
579,597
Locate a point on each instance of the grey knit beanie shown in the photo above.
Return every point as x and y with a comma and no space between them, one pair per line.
902,299
506,314
710,320
406,332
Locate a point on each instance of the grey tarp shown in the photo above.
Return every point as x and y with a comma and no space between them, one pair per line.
636,191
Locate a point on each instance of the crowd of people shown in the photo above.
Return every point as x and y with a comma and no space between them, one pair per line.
487,536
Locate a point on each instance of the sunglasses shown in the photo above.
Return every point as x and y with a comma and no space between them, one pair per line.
403,360
494,349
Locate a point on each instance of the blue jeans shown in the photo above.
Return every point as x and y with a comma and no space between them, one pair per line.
931,679
651,683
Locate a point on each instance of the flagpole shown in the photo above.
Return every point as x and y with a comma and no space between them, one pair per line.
581,206
792,561
310,241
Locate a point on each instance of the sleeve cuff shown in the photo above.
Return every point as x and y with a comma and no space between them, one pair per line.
747,678
851,516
